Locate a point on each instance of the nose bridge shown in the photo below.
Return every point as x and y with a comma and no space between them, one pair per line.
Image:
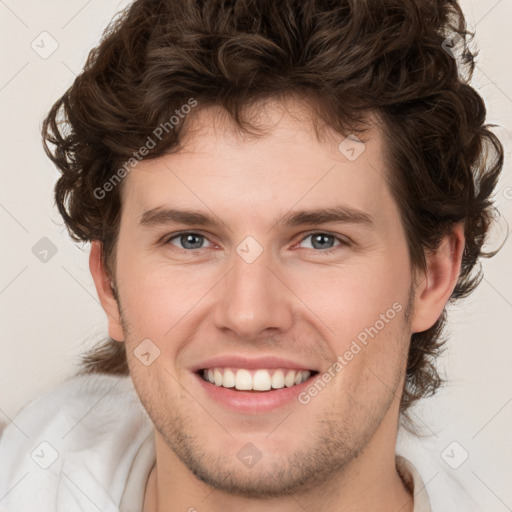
252,300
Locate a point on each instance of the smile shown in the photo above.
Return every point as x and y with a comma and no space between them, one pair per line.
243,379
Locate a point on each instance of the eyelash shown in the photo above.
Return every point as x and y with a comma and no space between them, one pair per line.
342,241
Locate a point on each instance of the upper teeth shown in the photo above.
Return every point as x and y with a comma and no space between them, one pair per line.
258,380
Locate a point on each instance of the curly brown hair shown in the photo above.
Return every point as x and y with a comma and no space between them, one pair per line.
347,58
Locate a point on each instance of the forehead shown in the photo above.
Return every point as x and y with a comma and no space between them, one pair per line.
220,168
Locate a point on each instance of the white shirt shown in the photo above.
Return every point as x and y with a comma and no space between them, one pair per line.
88,445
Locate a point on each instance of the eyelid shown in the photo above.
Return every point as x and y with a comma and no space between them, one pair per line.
167,238
340,238
344,240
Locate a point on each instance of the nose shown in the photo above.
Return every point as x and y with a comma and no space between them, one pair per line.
253,301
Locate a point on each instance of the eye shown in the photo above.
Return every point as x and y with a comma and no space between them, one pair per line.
188,241
322,241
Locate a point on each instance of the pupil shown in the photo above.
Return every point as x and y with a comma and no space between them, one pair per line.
191,241
321,239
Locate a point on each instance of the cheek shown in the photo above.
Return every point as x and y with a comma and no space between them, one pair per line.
362,315
157,296
347,300
370,359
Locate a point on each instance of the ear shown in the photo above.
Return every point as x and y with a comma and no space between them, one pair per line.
103,285
437,284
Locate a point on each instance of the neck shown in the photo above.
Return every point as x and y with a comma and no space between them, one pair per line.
370,482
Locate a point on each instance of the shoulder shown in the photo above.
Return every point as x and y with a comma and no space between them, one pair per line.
64,443
438,487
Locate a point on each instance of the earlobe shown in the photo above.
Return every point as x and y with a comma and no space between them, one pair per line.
105,292
437,284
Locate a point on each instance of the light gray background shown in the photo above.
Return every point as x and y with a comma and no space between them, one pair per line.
50,312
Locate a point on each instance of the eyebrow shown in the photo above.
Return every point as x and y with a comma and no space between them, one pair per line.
161,216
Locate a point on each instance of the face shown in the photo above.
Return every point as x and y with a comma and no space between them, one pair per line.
276,267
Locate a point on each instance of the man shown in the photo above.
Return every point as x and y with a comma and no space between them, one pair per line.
281,197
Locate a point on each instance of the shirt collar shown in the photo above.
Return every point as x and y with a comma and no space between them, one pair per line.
414,484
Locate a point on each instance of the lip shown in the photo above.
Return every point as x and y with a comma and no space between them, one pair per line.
253,402
267,363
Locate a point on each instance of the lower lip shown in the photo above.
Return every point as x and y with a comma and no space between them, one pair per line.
253,402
